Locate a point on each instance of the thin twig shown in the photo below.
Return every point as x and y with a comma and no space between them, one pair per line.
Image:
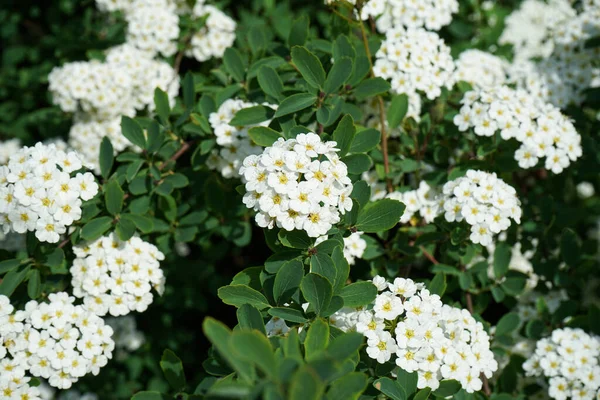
179,57
428,255
184,147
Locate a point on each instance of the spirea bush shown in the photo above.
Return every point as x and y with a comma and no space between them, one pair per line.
329,199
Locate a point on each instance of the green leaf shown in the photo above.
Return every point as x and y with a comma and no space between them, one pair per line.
338,75
257,39
358,294
9,265
294,103
133,132
317,291
238,295
397,110
317,338
263,136
322,264
96,228
173,370
408,381
144,224
254,347
348,387
502,256
12,280
54,258
342,269
343,48
371,87
438,284
270,82
251,116
447,388
306,385
365,140
288,314
107,158
514,285
380,216
570,249
234,64
309,66
34,286
295,239
163,108
287,281
151,395
125,229
344,135
390,388
113,197
345,346
423,394
357,163
507,324
534,329
250,318
299,31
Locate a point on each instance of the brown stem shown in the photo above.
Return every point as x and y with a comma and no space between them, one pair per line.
181,53
384,138
64,243
428,255
184,147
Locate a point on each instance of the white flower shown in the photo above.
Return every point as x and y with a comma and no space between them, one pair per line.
215,37
381,346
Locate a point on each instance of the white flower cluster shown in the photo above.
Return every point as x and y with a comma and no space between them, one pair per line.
126,335
299,184
480,68
58,341
528,28
113,5
13,382
390,14
99,89
354,246
542,129
425,200
215,37
153,26
116,277
100,93
433,339
234,140
484,201
415,60
570,360
38,193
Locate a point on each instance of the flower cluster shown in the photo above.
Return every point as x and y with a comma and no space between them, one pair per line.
96,88
234,140
38,193
297,184
542,129
484,201
153,26
7,149
57,341
215,37
430,14
415,60
116,277
570,360
480,68
528,28
425,200
433,339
